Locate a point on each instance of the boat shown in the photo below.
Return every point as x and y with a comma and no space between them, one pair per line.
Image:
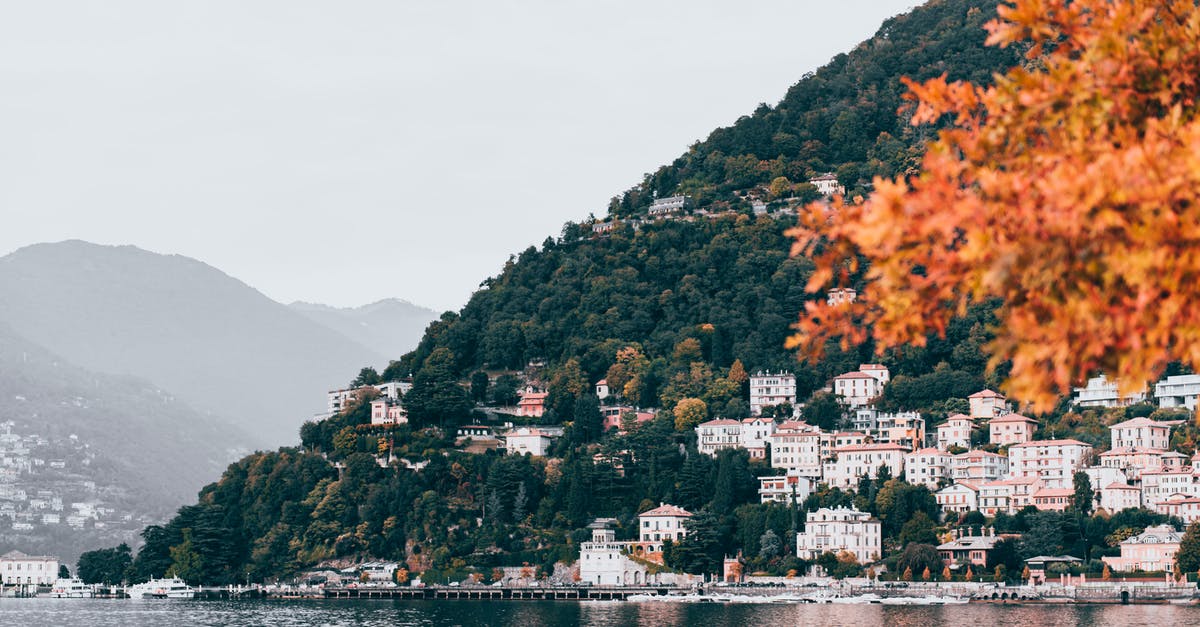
162,589
71,589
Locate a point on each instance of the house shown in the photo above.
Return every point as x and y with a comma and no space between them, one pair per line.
967,548
771,389
987,404
904,428
532,440
1115,497
928,466
1142,433
956,431
1053,499
1165,483
855,461
532,403
602,390
827,184
1132,462
799,449
978,467
1007,495
784,489
1187,508
1178,391
663,523
385,411
1152,550
718,435
755,435
1011,429
666,206
960,498
862,386
374,571
19,568
614,415
840,529
839,295
606,562
603,227
392,390
1052,461
1100,392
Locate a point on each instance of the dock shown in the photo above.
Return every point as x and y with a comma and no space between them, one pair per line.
506,593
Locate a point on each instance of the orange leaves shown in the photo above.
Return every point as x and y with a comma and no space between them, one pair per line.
1070,190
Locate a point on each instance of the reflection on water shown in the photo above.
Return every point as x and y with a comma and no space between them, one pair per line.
114,613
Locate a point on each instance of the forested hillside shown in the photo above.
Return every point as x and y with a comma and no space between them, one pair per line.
671,309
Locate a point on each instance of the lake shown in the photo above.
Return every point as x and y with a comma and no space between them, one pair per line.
281,613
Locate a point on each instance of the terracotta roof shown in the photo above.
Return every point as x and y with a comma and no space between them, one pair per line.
1140,422
1013,418
970,486
929,450
1049,443
869,447
986,394
978,453
1044,492
719,422
1121,486
853,375
667,510
960,417
866,367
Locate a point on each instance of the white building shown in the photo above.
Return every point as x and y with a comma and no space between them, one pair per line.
1052,461
856,389
827,184
604,561
718,435
978,467
1011,429
928,466
663,523
756,434
959,498
532,440
1167,483
840,529
906,428
799,449
668,205
1187,508
784,489
1178,391
956,431
987,404
1115,497
852,462
392,390
602,391
768,388
839,295
1141,433
1007,495
1100,392
19,568
1132,462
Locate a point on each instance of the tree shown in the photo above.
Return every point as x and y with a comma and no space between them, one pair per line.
1084,498
436,398
64,572
769,545
366,376
479,386
919,558
1188,556
822,410
906,575
690,412
589,422
107,566
1077,164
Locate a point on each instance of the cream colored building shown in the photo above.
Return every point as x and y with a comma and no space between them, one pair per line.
840,529
1052,461
1152,550
956,431
17,568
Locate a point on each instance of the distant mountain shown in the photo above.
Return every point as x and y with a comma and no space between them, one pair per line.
116,441
220,345
391,326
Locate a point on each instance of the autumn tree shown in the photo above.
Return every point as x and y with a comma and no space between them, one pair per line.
689,412
1067,191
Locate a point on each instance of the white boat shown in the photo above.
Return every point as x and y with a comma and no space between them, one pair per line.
71,589
162,589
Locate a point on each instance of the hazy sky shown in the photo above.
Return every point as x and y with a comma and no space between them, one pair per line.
346,151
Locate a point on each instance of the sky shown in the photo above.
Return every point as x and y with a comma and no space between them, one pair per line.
347,151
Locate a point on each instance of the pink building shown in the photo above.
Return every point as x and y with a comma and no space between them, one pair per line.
1141,433
1152,550
1186,508
956,431
1011,429
1053,499
385,411
1115,497
532,403
987,404
615,414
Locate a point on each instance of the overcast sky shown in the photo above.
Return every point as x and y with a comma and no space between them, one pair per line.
347,151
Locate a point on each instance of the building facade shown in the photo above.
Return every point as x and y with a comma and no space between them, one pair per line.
840,529
771,389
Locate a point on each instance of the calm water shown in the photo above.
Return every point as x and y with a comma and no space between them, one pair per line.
69,612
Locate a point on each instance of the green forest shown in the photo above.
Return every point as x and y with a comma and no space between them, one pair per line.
672,311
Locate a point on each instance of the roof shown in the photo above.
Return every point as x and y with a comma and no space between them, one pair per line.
960,417
748,421
964,484
1053,558
986,394
824,177
1159,534
978,453
1132,450
1047,492
1120,486
971,543
667,510
1141,422
1013,418
853,375
930,450
719,422
17,555
866,367
869,447
1050,443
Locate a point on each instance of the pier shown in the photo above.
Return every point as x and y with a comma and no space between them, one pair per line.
519,593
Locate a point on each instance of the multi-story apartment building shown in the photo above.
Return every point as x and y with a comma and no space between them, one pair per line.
1141,433
978,467
1052,461
1178,391
850,463
1101,392
956,431
718,435
767,388
986,404
840,529
1011,429
756,435
799,449
928,466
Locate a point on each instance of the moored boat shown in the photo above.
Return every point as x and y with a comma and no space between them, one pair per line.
162,589
71,589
